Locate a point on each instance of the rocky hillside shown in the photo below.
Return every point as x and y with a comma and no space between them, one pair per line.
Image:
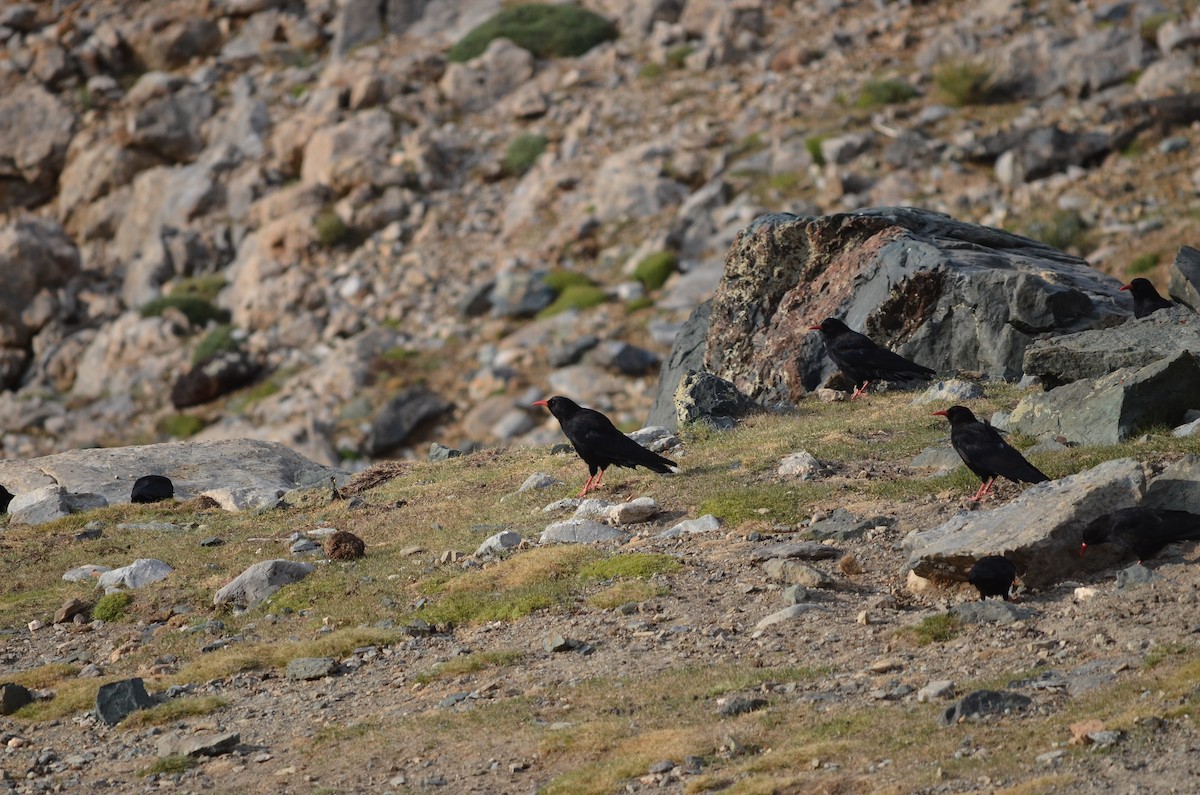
304,222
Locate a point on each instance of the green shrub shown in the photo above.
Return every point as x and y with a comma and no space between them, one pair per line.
547,31
654,270
522,152
651,71
639,303
560,279
331,229
180,426
1148,29
677,56
1065,230
813,144
112,606
884,92
207,286
218,340
197,310
635,564
169,765
577,296
965,83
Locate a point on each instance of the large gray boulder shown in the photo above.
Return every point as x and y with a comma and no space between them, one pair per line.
35,130
947,294
1039,531
687,353
1177,488
260,581
1184,285
259,472
1098,352
1114,408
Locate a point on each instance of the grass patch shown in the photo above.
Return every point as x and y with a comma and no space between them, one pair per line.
1162,651
652,71
180,426
875,93
560,279
627,592
1143,263
639,303
654,270
813,144
630,565
933,629
44,676
221,339
522,152
197,310
331,229
577,296
547,31
470,664
1065,230
169,766
206,287
771,501
173,710
1148,29
964,83
112,606
677,56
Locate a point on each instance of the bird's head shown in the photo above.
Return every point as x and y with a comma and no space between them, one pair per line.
559,406
1140,287
830,325
956,414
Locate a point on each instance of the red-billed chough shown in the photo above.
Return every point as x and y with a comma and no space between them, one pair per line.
599,443
985,453
993,575
152,488
1142,531
862,360
1145,298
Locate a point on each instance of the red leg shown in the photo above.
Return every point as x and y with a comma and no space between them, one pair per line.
586,486
862,390
599,478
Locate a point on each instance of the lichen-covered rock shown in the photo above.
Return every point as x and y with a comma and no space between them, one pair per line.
35,130
260,581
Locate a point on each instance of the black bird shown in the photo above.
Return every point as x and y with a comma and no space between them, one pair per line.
862,360
1146,299
152,488
1142,531
599,443
993,575
985,453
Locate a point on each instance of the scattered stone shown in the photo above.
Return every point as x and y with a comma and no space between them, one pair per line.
794,595
886,665
1050,757
943,459
13,697
937,690
841,525
91,531
305,669
562,506
1134,577
539,480
786,614
116,700
983,703
804,550
440,452
740,705
85,573
793,572
592,508
261,580
1081,731
212,541
499,543
703,397
557,643
655,438
402,415
632,512
141,572
801,465
197,745
1177,488
579,531
952,392
704,524
990,611
344,545
71,608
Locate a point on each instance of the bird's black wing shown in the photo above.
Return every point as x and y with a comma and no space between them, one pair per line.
595,437
1145,531
985,452
856,355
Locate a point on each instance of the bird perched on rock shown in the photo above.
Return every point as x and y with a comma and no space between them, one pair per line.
152,488
862,360
599,443
1146,299
993,575
1142,531
985,453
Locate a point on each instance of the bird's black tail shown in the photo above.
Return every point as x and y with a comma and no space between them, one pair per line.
656,463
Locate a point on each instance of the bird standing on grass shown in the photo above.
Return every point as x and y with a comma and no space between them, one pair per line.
599,443
985,453
993,575
1142,531
862,360
1146,299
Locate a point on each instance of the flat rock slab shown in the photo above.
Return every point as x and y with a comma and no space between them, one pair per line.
1097,352
141,572
197,745
305,669
703,524
990,611
260,581
984,703
1039,531
1177,488
793,572
786,614
804,550
841,525
579,531
116,700
1117,406
257,471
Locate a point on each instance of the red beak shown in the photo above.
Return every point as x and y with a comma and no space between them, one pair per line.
539,403
1124,288
941,413
814,328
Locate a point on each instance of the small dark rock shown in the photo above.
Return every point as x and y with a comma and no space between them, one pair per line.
217,375
212,541
440,452
982,703
308,668
13,697
117,700
344,545
740,705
